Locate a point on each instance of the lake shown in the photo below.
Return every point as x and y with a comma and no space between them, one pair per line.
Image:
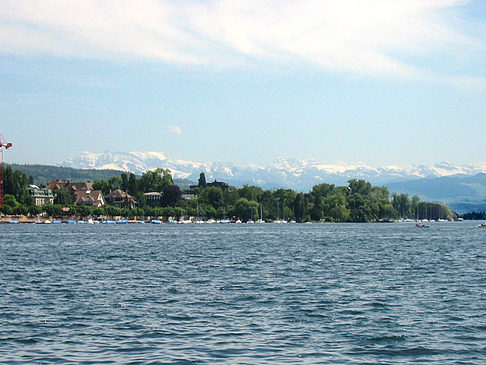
243,294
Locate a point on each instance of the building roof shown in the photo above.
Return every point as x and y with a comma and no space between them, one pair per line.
69,185
153,193
41,193
86,196
118,193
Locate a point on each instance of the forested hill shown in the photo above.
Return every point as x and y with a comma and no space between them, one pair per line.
43,174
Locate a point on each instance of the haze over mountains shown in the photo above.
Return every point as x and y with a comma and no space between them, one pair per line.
283,172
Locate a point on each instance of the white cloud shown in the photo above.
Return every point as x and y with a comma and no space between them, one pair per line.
174,129
370,37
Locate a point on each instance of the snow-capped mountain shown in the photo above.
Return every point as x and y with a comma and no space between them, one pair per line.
284,172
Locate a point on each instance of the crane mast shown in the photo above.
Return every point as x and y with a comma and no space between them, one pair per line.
3,145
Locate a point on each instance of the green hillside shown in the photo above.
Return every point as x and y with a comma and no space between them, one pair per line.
43,174
463,193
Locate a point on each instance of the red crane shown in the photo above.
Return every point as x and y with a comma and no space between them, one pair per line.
2,146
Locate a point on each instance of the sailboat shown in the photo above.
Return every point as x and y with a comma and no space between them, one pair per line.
260,220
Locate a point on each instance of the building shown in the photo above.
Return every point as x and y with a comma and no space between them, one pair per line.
218,184
81,192
71,186
41,196
188,197
153,198
119,198
92,198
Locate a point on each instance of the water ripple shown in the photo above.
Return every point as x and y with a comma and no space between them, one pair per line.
243,294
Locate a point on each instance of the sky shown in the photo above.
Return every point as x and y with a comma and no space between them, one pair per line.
384,82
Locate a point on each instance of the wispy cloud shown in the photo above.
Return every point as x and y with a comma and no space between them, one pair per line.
174,129
368,37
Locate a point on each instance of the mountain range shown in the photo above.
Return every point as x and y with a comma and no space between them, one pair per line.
284,172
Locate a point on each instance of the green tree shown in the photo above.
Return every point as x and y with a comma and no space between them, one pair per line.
124,181
246,209
63,197
132,185
360,208
84,210
170,195
112,211
359,187
155,180
17,183
102,185
301,205
10,201
322,190
53,210
34,210
402,204
115,182
250,192
213,196
334,208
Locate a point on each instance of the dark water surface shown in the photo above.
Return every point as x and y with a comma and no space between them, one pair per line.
243,294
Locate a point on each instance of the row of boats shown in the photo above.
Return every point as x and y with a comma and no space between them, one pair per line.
152,221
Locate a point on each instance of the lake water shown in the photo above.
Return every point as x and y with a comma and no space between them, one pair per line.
243,294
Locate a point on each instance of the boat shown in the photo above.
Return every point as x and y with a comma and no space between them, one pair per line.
421,225
260,220
155,221
482,225
47,221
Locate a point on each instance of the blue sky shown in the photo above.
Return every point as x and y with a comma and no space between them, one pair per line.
385,82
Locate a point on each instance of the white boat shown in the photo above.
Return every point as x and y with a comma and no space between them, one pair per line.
47,221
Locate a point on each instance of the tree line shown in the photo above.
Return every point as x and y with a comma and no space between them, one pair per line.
358,201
